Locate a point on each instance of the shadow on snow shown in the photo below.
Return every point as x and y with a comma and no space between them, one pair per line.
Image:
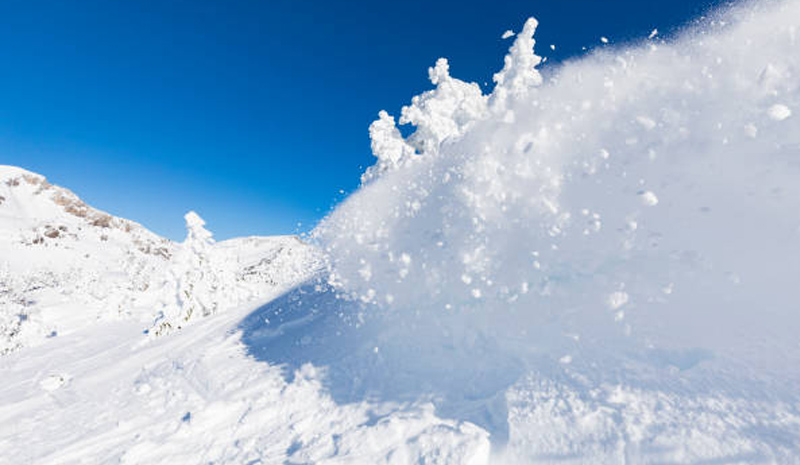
375,355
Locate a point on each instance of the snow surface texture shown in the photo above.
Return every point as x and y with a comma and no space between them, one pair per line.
592,266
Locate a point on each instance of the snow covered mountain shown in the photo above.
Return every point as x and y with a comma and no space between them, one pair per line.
595,266
65,264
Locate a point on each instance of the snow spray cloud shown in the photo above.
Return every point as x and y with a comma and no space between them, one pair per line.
649,193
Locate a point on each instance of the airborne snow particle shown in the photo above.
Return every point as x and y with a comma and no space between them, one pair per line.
646,122
142,388
508,34
617,299
365,272
649,198
54,382
604,40
779,112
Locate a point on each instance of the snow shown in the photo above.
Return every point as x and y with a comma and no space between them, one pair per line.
66,264
196,397
518,75
617,300
649,198
779,112
519,233
593,267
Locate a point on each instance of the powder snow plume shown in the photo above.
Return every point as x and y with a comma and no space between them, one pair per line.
656,179
595,263
638,204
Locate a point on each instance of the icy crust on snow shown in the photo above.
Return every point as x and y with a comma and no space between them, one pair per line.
64,264
638,211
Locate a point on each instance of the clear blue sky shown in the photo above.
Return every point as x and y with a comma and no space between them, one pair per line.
254,113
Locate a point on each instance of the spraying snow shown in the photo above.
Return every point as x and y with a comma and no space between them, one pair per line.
596,266
629,170
639,209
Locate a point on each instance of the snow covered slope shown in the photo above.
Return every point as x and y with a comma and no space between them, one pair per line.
105,394
593,266
64,264
83,383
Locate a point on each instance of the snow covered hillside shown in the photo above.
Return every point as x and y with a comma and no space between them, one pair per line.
105,358
593,264
66,265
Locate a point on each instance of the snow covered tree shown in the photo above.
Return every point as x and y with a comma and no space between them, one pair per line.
452,107
196,277
198,281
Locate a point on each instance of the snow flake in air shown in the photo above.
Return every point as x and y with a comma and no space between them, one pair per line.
779,112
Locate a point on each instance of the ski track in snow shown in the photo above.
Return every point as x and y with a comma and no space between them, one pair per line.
594,266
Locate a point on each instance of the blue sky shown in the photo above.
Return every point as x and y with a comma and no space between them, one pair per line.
253,113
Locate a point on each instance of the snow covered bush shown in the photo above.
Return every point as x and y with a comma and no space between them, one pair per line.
20,323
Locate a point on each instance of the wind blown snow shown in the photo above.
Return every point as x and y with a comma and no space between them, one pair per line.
639,208
628,169
595,264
